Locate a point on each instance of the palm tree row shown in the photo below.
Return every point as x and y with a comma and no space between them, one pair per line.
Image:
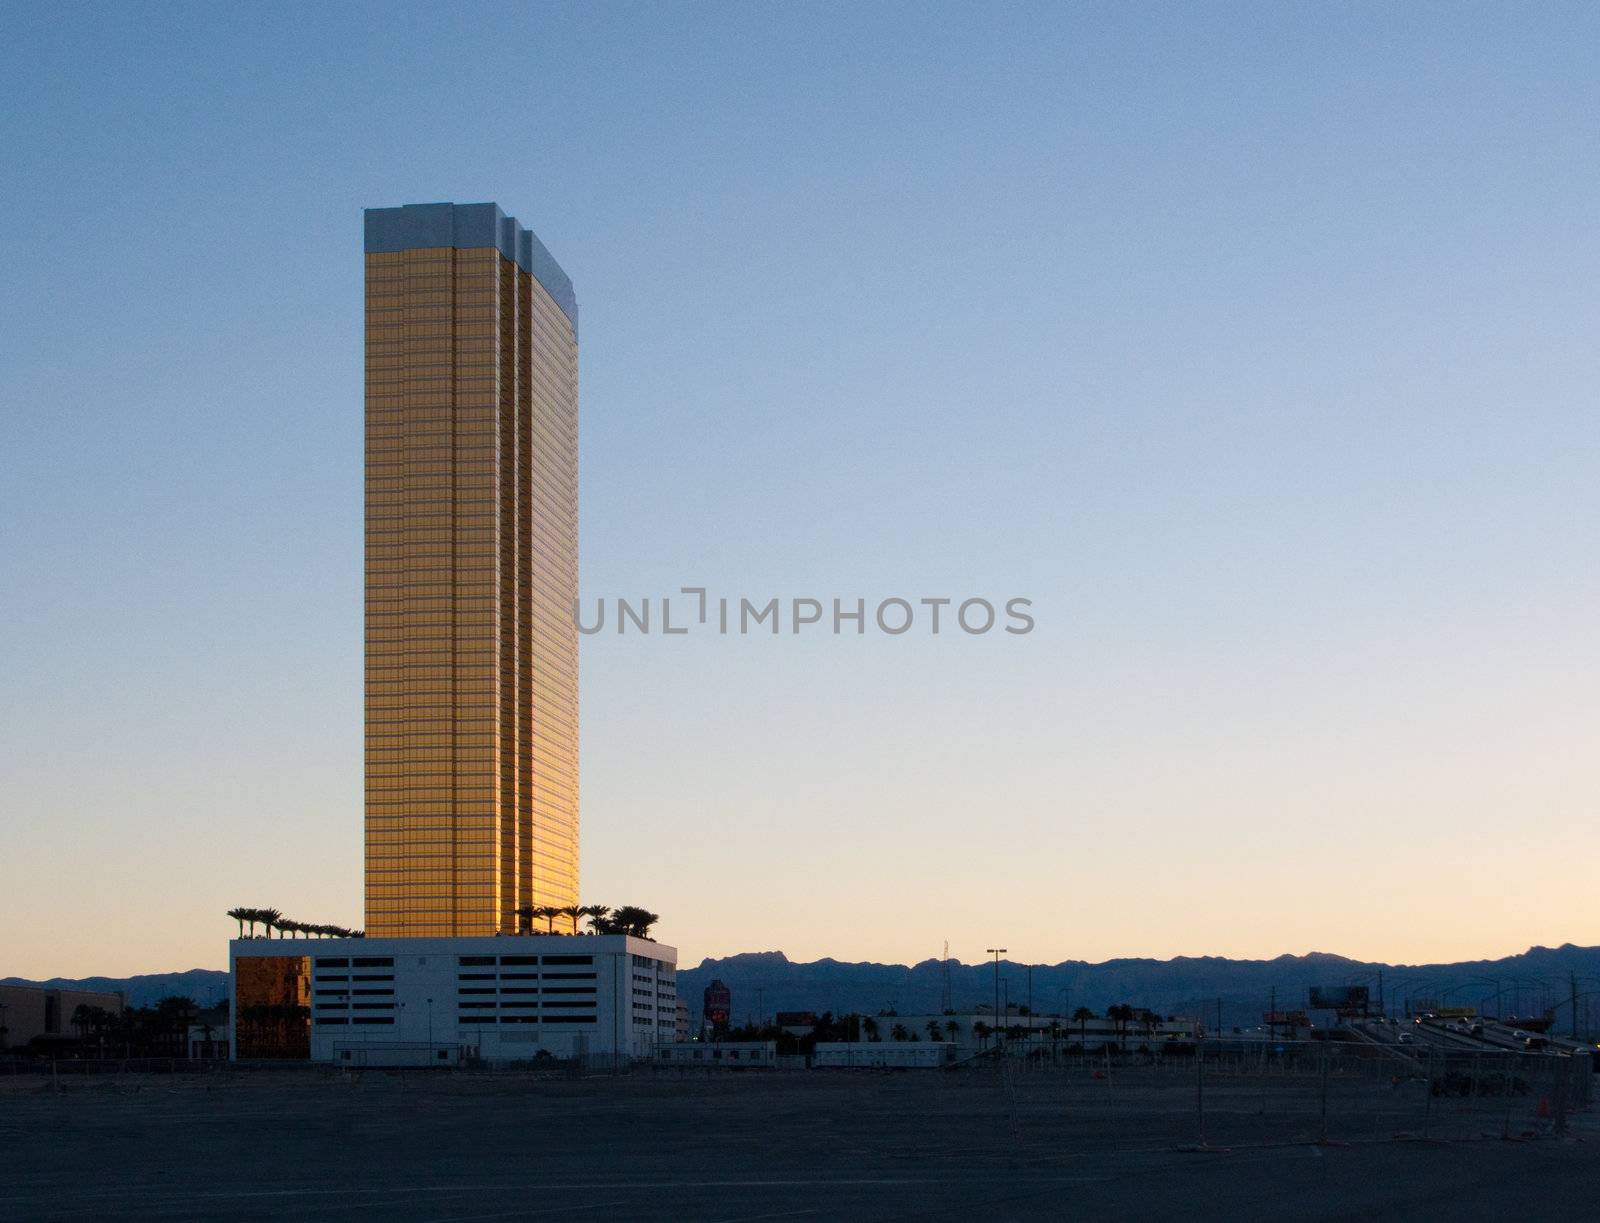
603,919
271,919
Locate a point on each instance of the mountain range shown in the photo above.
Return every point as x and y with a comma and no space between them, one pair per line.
1239,991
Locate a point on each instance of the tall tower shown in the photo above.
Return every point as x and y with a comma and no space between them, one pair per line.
471,573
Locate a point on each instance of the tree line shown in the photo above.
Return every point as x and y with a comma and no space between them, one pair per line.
271,919
603,919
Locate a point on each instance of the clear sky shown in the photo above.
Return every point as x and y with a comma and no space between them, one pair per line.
1255,344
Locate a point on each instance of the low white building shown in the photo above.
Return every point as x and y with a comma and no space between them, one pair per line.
882,1054
726,1054
446,1001
975,1031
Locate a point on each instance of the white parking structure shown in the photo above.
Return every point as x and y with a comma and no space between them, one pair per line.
447,1001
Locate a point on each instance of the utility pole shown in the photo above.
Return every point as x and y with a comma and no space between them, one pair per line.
996,952
944,1005
1030,994
1272,1014
1573,977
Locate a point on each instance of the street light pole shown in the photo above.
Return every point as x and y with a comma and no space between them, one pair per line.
996,952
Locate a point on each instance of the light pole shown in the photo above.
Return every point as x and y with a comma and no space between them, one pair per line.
996,952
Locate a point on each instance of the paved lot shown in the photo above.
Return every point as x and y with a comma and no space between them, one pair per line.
978,1145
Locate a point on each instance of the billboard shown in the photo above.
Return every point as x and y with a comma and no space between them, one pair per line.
718,1004
1346,999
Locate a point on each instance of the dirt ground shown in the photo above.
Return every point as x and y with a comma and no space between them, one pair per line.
980,1144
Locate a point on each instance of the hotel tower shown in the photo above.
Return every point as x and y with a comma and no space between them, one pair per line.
471,573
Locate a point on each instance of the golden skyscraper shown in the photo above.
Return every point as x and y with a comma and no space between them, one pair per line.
471,573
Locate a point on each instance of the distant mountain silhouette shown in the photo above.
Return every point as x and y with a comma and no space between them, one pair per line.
769,981
207,986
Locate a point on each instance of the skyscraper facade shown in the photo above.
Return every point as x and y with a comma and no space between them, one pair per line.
471,573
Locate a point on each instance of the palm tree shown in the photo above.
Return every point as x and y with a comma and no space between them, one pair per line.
634,921
1083,1014
600,920
1122,1013
869,1025
240,916
573,913
525,919
952,1027
899,1032
981,1030
270,919
593,912
549,913
933,1029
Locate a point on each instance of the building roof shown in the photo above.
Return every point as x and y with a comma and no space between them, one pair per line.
466,227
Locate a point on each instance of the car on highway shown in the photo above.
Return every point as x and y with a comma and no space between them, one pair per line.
1534,1043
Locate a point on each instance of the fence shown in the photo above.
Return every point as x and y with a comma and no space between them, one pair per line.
81,1066
1266,1093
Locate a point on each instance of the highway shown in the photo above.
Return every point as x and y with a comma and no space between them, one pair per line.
1411,1039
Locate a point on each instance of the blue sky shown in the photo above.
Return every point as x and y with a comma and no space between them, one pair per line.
1254,343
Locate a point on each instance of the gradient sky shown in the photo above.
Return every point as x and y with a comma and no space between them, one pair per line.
1255,344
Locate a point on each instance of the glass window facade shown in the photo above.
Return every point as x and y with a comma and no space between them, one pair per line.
273,996
471,579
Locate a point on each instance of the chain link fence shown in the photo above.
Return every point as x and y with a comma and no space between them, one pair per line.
1224,1095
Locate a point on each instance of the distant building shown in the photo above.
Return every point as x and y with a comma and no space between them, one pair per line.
717,1005
882,1054
210,1034
447,1001
31,1012
1022,1032
683,1020
725,1055
796,1023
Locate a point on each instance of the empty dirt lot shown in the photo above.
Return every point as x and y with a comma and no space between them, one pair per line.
920,1145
